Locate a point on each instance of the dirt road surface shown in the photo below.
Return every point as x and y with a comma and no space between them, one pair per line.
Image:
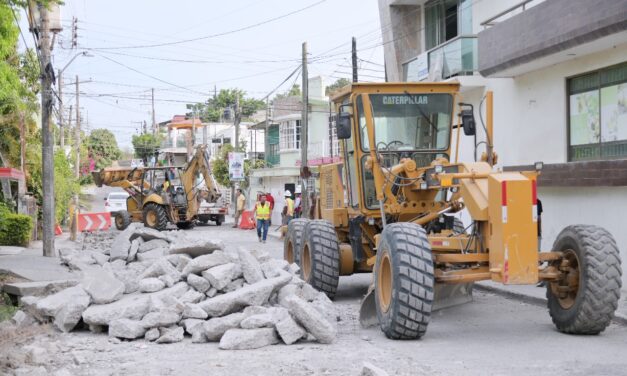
492,335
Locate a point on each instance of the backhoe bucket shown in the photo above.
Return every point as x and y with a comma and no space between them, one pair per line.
446,295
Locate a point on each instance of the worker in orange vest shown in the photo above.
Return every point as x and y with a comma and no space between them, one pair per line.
262,215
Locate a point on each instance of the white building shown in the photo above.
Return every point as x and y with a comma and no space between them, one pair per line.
283,148
558,70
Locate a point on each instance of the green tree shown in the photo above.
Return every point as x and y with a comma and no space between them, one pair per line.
214,107
103,147
146,145
338,84
293,92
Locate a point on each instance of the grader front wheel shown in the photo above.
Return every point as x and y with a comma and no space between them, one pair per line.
404,282
320,257
584,299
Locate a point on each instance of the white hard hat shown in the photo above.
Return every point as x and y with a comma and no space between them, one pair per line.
287,193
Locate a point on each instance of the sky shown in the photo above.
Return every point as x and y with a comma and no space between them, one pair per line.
249,44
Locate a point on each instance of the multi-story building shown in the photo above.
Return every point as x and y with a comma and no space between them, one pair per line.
283,144
558,70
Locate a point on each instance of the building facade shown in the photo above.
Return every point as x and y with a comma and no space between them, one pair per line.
558,70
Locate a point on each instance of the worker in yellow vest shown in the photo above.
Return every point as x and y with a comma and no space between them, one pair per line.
262,215
289,207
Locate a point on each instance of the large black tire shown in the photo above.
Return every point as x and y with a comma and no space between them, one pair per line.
404,282
219,220
185,225
588,308
155,216
320,257
293,240
122,220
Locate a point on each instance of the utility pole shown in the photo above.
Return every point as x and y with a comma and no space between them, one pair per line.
22,143
77,147
354,56
265,135
154,122
236,122
60,90
304,170
46,135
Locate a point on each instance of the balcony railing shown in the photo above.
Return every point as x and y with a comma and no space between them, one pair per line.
456,57
323,152
171,144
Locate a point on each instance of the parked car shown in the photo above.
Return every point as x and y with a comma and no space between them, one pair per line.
116,201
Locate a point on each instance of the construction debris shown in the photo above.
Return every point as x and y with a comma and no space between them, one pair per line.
242,299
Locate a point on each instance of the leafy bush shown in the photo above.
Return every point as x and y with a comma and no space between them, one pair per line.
15,229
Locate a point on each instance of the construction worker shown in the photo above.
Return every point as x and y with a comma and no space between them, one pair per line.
289,207
240,203
262,215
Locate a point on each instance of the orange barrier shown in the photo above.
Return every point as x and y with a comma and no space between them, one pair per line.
247,221
94,221
57,230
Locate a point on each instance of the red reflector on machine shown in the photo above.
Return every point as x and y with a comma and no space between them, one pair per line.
504,193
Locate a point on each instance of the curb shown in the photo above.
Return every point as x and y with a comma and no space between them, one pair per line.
618,318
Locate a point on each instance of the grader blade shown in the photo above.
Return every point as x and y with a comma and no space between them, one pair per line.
446,296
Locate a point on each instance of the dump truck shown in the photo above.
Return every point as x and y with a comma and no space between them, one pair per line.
162,195
394,205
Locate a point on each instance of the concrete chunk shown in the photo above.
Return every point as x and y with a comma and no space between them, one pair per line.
192,296
192,325
153,254
251,269
196,247
147,234
370,369
159,268
312,320
50,305
161,318
199,283
121,245
102,286
171,335
243,339
214,328
194,311
126,328
38,288
132,253
152,334
273,267
151,285
202,263
153,244
289,330
220,276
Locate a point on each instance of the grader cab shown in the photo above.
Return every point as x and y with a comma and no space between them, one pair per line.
390,208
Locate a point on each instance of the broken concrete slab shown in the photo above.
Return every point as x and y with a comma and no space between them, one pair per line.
147,234
22,319
214,328
153,244
152,334
243,339
38,288
192,296
258,321
196,247
50,305
159,268
220,276
151,285
193,311
132,253
370,369
235,284
312,320
200,284
251,269
153,254
202,263
273,267
70,314
289,330
171,335
121,245
126,328
102,286
167,280
165,317
192,325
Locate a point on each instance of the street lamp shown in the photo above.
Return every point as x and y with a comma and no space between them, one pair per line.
60,89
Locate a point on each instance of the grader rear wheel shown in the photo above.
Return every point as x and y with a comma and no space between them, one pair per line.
155,216
404,282
293,240
320,257
584,300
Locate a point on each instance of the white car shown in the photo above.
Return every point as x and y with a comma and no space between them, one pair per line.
116,201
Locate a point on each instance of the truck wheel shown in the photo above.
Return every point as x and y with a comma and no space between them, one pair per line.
584,301
320,257
293,239
219,221
122,220
403,281
155,216
185,225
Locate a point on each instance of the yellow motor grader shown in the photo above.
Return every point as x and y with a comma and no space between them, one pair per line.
162,195
389,206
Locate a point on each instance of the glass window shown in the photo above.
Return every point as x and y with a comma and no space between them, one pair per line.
406,122
597,118
289,135
445,20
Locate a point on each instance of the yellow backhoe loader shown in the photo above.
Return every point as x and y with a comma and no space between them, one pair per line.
389,208
162,195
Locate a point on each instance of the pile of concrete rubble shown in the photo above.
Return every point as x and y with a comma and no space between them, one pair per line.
161,285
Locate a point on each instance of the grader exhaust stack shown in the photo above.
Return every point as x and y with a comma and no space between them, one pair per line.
390,208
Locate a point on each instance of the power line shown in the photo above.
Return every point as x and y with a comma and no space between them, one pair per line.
217,34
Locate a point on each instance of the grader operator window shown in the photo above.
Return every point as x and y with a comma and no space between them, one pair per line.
410,122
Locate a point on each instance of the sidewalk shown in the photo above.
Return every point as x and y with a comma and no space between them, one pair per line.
537,295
